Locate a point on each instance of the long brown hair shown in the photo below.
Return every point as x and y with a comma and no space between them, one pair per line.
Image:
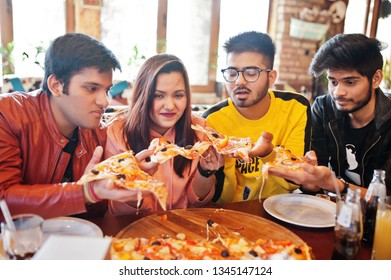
137,122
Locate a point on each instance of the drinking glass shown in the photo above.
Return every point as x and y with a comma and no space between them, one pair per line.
382,239
22,242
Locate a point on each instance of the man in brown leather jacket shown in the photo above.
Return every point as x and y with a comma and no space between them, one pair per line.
49,137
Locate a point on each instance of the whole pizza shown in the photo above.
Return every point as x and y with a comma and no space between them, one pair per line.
221,243
181,248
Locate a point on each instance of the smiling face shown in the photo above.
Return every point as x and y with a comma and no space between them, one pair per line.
85,101
350,90
169,102
248,94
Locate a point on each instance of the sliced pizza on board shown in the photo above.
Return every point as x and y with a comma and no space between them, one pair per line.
125,172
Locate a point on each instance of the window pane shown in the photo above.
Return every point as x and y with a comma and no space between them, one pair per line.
47,23
383,34
188,36
355,16
127,26
256,17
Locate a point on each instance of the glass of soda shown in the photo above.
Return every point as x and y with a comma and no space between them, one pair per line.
24,241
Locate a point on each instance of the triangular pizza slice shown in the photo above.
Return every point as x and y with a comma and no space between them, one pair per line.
125,172
237,147
164,150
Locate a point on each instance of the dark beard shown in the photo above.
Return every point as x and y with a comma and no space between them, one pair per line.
258,99
364,102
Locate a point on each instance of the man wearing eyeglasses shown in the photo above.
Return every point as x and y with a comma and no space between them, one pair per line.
269,117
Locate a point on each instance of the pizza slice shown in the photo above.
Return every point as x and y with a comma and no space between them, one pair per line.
283,158
125,172
237,147
196,150
164,150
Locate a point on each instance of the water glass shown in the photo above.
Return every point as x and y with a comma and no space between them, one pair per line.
22,242
382,238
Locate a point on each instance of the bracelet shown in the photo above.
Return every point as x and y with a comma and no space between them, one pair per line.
87,194
205,173
92,193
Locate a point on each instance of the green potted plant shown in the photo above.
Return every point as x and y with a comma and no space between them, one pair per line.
8,59
37,57
135,61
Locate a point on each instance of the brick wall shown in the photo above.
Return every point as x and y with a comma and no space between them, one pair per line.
294,55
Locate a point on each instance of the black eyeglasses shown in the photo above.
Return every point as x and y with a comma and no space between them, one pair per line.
250,74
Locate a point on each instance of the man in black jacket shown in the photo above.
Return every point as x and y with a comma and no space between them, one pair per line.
351,132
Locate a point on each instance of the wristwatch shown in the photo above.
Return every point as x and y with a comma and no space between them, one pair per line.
345,185
205,172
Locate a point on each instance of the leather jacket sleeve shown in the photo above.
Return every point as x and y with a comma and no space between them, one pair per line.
46,200
32,162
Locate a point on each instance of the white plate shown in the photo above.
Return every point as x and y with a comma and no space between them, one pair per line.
70,226
302,210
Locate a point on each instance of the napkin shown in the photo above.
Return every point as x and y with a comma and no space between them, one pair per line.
58,247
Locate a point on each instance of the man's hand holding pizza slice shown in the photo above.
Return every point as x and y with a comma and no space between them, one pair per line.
305,172
120,178
104,188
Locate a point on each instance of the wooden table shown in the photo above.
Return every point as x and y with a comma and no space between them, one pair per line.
320,239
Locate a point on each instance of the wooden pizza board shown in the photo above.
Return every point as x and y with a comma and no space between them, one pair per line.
192,222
